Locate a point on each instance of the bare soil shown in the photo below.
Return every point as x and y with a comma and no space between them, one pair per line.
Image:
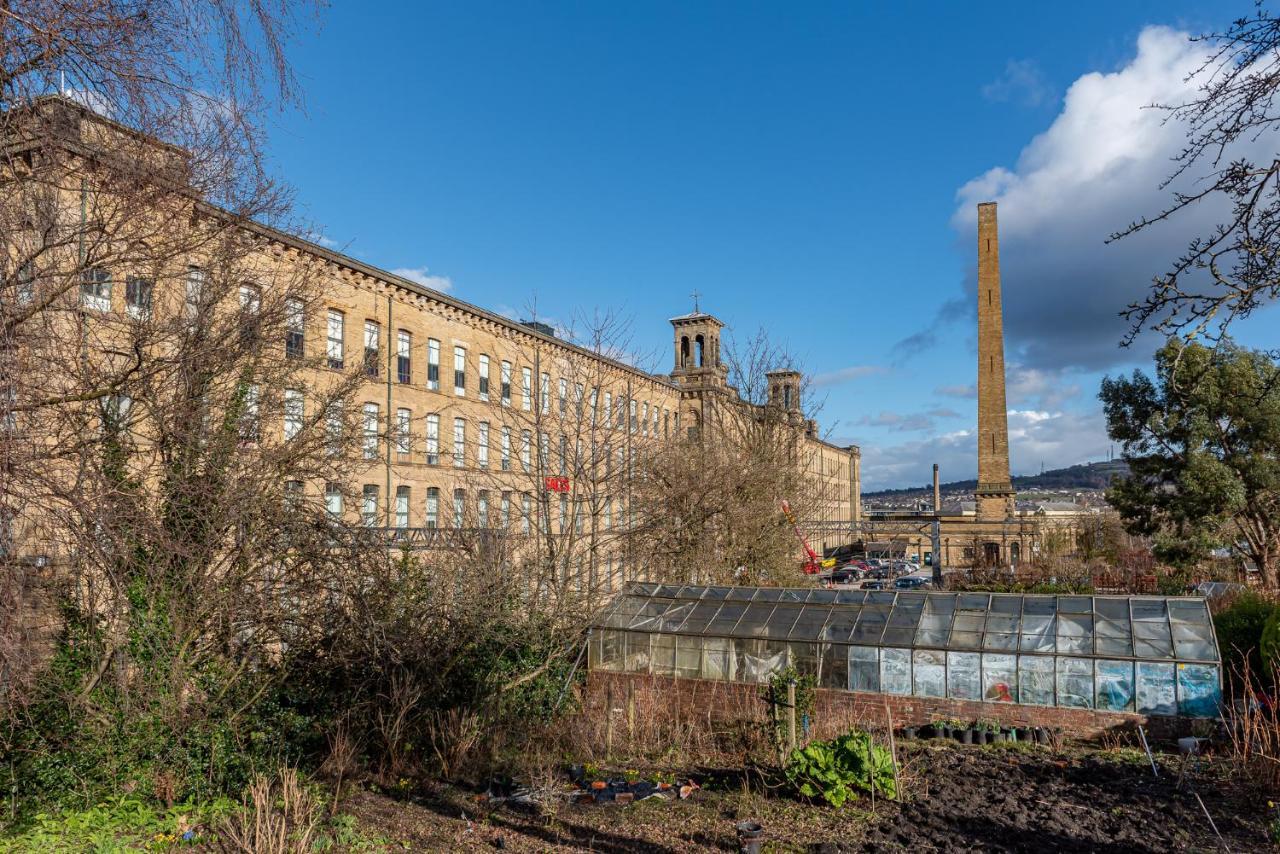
958,799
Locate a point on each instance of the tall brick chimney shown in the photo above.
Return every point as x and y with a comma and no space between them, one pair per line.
995,490
937,490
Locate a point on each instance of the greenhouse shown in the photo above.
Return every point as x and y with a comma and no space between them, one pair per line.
1152,655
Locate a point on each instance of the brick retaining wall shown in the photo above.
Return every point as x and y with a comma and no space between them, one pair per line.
695,701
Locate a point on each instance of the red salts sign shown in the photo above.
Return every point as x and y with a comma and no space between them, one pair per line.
557,484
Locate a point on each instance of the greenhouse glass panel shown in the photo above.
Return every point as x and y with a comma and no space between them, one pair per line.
1075,683
781,620
1039,633
755,620
999,677
1194,641
763,660
1198,692
804,658
726,618
1075,632
871,624
1035,680
903,620
1114,685
610,655
638,652
663,652
895,670
935,620
930,673
1112,637
833,666
1152,640
811,622
717,659
840,623
1001,629
850,597
673,618
1157,694
966,631
700,617
964,675
688,656
864,669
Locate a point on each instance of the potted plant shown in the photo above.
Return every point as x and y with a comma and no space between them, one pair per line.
988,730
966,735
910,732
941,728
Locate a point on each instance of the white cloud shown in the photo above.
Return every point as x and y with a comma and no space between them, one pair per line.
1036,437
844,375
1096,168
1022,82
424,277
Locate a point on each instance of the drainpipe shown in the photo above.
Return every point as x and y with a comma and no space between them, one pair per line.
386,511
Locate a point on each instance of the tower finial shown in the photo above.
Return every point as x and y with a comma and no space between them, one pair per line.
695,296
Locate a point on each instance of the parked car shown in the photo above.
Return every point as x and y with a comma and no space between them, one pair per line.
872,585
911,582
843,576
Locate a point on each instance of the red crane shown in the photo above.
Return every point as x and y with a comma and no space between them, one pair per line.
813,564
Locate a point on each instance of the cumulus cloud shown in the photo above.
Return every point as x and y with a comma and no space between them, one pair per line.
1096,168
1036,437
1022,82
424,277
844,375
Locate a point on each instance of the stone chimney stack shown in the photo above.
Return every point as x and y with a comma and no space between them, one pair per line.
995,497
937,491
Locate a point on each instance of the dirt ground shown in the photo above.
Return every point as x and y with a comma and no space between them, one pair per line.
957,799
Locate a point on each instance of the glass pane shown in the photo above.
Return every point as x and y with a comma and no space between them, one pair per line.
1189,611
781,621
809,626
1156,695
1113,608
700,617
741,594
974,601
1075,632
870,624
1148,609
789,595
1198,693
1039,606
999,678
1038,633
864,668
825,597
714,593
833,668
1194,640
930,673
1075,604
610,651
895,671
840,624
637,652
854,597
758,660
1035,680
663,650
1075,682
673,618
1114,681
1006,604
994,640
804,658
964,675
767,594
755,619
966,631
688,657
935,621
1152,640
717,659
726,618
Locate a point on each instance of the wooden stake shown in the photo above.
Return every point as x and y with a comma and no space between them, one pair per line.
893,754
791,716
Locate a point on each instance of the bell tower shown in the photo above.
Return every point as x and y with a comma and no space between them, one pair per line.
697,350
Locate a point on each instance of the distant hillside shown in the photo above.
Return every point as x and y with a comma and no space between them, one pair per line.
1086,476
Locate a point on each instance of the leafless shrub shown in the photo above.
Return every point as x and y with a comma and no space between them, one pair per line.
1252,720
453,734
278,816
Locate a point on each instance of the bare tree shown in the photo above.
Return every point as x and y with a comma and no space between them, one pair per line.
1228,273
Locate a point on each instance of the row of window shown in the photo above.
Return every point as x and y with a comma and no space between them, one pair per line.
484,515
641,417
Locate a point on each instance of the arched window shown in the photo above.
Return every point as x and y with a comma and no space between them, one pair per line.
684,351
700,345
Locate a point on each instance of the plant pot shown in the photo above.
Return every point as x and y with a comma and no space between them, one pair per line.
981,736
966,736
750,837
1017,734
1042,735
941,731
910,732
623,798
599,784
1000,737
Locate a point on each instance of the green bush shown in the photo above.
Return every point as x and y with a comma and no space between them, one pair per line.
1240,626
833,770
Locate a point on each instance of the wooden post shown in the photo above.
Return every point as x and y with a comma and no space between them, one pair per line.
871,752
631,713
608,721
893,754
791,716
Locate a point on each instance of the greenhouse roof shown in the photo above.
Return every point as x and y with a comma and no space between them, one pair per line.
1140,627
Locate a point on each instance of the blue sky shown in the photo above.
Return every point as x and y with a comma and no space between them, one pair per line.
809,168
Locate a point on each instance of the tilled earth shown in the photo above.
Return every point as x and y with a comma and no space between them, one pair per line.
958,799
1015,801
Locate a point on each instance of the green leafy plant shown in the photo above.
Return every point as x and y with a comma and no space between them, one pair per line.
987,725
775,694
834,770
